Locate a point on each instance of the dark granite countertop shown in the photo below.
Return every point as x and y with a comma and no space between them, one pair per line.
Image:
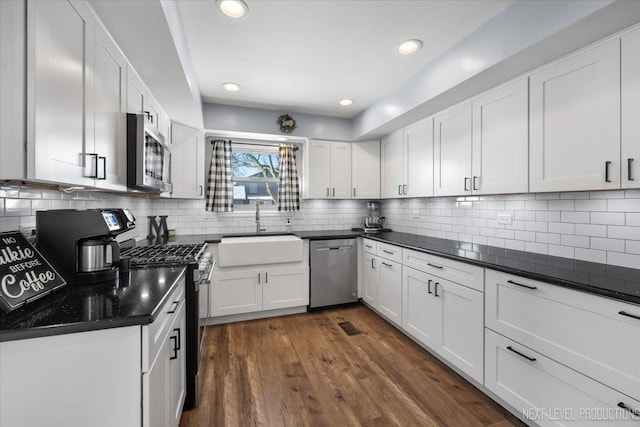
135,299
602,279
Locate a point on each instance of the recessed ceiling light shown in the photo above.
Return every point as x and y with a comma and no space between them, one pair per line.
346,102
408,47
233,8
230,86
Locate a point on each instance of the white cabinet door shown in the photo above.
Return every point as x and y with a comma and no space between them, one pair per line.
340,170
12,87
136,92
152,112
318,170
462,327
391,165
110,112
236,292
452,151
365,169
418,159
59,90
390,291
591,334
177,369
575,122
371,279
501,140
549,393
285,287
630,109
421,311
187,162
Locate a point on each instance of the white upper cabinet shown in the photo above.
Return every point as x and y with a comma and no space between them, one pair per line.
187,162
407,161
630,161
152,112
575,122
365,169
110,112
452,151
418,159
500,151
391,165
327,170
60,52
136,92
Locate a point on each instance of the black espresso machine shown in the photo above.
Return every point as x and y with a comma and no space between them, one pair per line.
80,244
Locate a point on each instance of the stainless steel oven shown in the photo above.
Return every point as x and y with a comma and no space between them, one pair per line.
148,157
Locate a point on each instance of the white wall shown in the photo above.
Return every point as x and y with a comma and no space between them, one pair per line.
601,226
257,120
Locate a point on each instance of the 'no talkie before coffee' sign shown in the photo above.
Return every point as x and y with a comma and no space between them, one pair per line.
25,275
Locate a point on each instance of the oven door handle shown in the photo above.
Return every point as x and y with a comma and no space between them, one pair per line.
208,279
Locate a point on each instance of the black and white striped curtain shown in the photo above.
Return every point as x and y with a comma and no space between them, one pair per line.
219,196
289,184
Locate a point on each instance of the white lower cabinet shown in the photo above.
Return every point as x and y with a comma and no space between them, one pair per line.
549,393
390,290
446,317
371,279
593,335
257,289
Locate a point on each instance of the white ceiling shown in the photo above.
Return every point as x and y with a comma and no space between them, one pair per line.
305,56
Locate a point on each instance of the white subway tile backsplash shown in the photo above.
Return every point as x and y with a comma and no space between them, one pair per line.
562,228
614,245
624,205
548,238
535,205
561,251
591,230
17,207
609,218
536,226
615,232
632,247
618,194
591,205
575,241
623,259
528,236
516,245
633,218
562,205
538,248
548,216
575,217
591,255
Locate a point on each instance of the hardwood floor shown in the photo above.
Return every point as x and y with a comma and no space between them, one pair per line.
304,370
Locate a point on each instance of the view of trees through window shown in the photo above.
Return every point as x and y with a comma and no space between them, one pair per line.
255,175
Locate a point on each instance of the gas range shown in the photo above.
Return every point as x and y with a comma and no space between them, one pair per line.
164,255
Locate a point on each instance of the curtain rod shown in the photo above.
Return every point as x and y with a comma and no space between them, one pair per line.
275,144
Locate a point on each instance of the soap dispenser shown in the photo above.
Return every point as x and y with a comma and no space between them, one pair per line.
287,226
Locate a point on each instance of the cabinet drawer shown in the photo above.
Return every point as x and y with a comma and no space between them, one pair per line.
390,252
153,334
370,246
549,393
458,272
585,332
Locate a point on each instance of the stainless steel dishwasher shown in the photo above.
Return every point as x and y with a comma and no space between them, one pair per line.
334,272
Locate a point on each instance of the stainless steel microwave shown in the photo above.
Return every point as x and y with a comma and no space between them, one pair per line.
148,157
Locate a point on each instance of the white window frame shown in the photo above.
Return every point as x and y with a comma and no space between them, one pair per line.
261,148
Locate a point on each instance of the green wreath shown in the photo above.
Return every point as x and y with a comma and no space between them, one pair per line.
287,123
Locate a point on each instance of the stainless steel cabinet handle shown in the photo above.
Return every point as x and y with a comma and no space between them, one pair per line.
201,189
94,157
466,179
327,191
606,171
532,359
629,170
436,289
354,191
266,277
400,190
372,265
178,340
175,347
520,284
259,278
369,246
386,265
429,286
475,180
334,192
434,266
404,189
387,252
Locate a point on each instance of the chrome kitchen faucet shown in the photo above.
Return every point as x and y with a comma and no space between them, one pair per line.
258,229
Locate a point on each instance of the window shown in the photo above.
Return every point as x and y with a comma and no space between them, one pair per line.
255,171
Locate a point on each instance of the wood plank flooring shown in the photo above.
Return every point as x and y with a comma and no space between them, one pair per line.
304,370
